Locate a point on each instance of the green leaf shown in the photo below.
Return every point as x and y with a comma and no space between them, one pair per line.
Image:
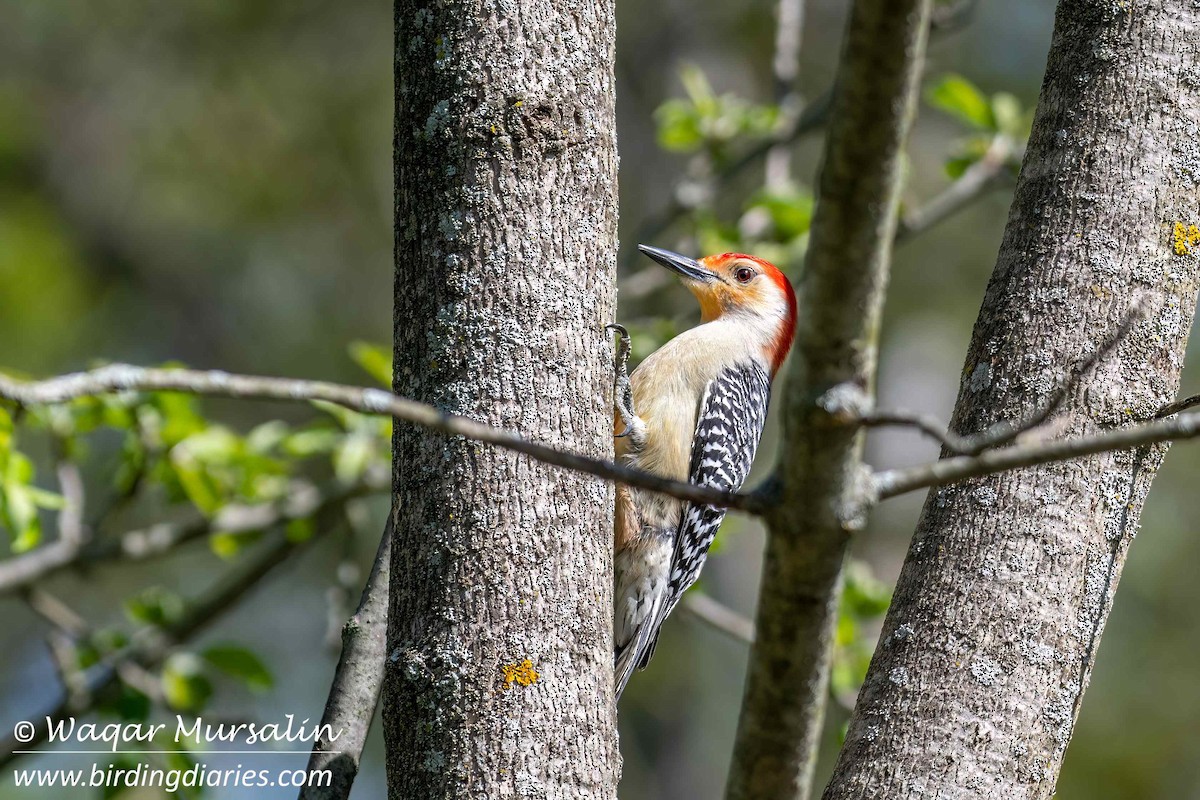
131,704
266,437
155,606
790,211
1009,116
228,545
376,360
352,457
346,418
300,529
959,98
184,682
314,441
240,663
179,417
20,500
679,128
45,499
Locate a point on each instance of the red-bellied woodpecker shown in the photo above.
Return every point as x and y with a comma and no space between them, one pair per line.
692,410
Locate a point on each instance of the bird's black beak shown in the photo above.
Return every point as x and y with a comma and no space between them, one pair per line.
689,268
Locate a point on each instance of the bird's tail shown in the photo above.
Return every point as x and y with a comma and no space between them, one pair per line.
637,652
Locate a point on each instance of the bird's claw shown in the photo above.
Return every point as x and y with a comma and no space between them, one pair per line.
622,388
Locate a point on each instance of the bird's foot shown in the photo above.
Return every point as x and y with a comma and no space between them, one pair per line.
635,427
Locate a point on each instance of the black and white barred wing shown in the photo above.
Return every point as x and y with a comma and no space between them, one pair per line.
733,411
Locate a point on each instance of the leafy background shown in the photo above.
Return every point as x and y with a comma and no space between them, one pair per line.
208,181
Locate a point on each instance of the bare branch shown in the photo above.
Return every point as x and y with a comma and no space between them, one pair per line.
122,377
354,693
301,500
953,16
1006,431
893,482
149,646
985,174
1180,405
927,424
789,32
71,527
719,617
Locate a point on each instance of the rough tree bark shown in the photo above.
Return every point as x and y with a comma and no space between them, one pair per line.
821,473
498,676
988,647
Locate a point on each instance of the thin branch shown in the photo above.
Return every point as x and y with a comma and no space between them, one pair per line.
785,68
71,527
893,482
1178,406
122,377
302,500
719,617
950,17
1005,431
149,646
57,613
985,174
354,693
927,424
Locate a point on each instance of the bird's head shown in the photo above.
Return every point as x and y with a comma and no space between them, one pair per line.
739,286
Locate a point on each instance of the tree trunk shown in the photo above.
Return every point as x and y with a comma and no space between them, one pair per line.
498,677
988,647
821,470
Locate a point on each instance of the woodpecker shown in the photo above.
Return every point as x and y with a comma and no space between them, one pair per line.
693,410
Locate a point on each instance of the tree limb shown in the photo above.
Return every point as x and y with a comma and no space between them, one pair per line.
893,482
149,646
985,174
1005,431
719,617
354,693
302,500
821,468
123,377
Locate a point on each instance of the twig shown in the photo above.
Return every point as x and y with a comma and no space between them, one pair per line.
69,629
785,66
302,500
719,617
893,482
122,377
71,527
927,424
1005,431
1178,406
982,176
952,16
149,646
57,613
354,693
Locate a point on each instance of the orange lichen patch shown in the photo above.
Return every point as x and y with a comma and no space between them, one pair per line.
522,673
1186,237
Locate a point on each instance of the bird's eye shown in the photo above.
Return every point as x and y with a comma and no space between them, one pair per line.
744,274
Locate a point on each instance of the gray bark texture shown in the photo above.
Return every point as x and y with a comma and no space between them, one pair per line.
821,474
499,667
987,649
